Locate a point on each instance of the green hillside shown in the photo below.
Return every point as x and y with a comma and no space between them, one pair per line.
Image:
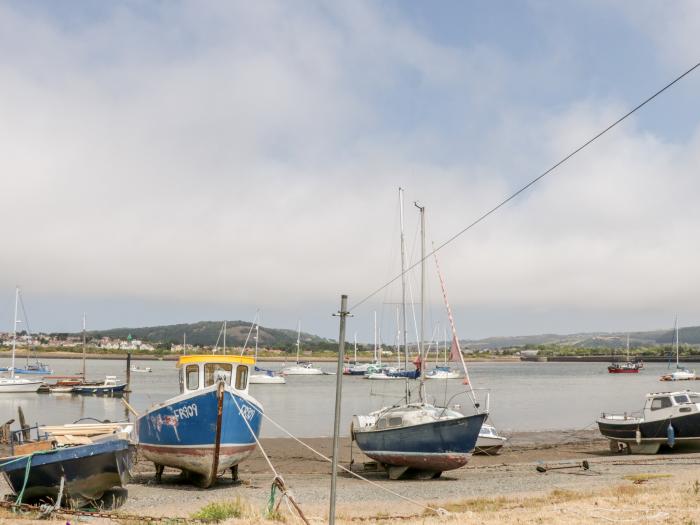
206,333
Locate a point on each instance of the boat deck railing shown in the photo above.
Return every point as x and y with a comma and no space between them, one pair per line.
631,416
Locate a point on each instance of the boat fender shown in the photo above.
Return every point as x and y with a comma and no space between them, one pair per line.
670,435
638,437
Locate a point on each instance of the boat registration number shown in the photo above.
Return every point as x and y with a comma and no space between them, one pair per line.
186,412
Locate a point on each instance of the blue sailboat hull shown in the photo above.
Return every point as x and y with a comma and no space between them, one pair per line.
435,446
89,471
184,432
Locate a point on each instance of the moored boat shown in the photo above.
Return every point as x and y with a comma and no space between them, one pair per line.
681,373
625,367
489,442
301,368
11,383
110,386
141,369
668,418
206,429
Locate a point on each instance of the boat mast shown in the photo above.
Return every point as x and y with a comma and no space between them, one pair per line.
224,337
184,343
355,346
375,336
298,339
84,345
628,348
398,339
257,333
422,300
677,345
403,280
14,332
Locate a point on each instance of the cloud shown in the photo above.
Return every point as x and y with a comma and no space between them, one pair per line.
249,154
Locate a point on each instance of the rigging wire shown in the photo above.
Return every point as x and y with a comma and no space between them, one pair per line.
529,184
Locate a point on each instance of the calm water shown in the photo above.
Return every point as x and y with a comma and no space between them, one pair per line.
523,396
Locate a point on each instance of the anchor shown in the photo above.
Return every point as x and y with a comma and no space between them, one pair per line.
583,465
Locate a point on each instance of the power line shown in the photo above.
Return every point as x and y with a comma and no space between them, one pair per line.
531,183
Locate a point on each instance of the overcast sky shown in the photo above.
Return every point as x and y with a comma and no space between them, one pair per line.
169,162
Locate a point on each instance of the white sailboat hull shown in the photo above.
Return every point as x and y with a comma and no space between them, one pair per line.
18,385
302,371
264,379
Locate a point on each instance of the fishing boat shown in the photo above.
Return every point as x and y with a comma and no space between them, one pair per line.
110,386
301,368
211,426
625,367
489,442
141,369
418,439
267,377
681,373
668,419
11,383
78,464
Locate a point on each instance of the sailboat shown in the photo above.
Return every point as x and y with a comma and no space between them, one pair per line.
681,373
268,377
628,367
444,371
418,439
12,383
301,368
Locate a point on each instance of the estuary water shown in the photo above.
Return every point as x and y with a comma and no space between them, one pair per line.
523,396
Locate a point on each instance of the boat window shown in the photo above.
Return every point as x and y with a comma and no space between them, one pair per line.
660,402
381,423
681,399
192,373
241,377
395,421
214,371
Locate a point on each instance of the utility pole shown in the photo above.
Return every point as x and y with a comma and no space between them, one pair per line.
343,313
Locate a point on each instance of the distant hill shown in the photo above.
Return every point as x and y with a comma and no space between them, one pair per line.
206,333
688,336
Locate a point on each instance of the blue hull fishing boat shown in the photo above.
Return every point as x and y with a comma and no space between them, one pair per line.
210,427
81,474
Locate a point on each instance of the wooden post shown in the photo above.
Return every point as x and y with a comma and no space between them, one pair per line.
23,424
128,372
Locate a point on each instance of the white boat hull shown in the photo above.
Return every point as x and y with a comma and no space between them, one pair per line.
14,386
302,371
442,375
265,379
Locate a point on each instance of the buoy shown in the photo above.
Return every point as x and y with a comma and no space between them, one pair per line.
638,437
670,435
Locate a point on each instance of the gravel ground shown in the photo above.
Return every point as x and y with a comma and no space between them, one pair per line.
511,473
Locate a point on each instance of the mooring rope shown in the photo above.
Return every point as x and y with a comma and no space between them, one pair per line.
437,510
278,481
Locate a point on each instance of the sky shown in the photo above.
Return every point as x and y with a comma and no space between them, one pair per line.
167,162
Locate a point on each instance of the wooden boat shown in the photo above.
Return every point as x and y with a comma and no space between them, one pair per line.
668,418
206,429
82,463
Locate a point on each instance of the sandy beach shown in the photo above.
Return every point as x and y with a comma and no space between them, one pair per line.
506,488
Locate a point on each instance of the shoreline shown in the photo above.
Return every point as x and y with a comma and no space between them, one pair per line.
490,489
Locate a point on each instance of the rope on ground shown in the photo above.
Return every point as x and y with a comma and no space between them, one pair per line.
437,510
278,480
48,509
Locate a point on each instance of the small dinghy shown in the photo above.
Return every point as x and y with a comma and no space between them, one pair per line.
668,418
141,369
80,463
